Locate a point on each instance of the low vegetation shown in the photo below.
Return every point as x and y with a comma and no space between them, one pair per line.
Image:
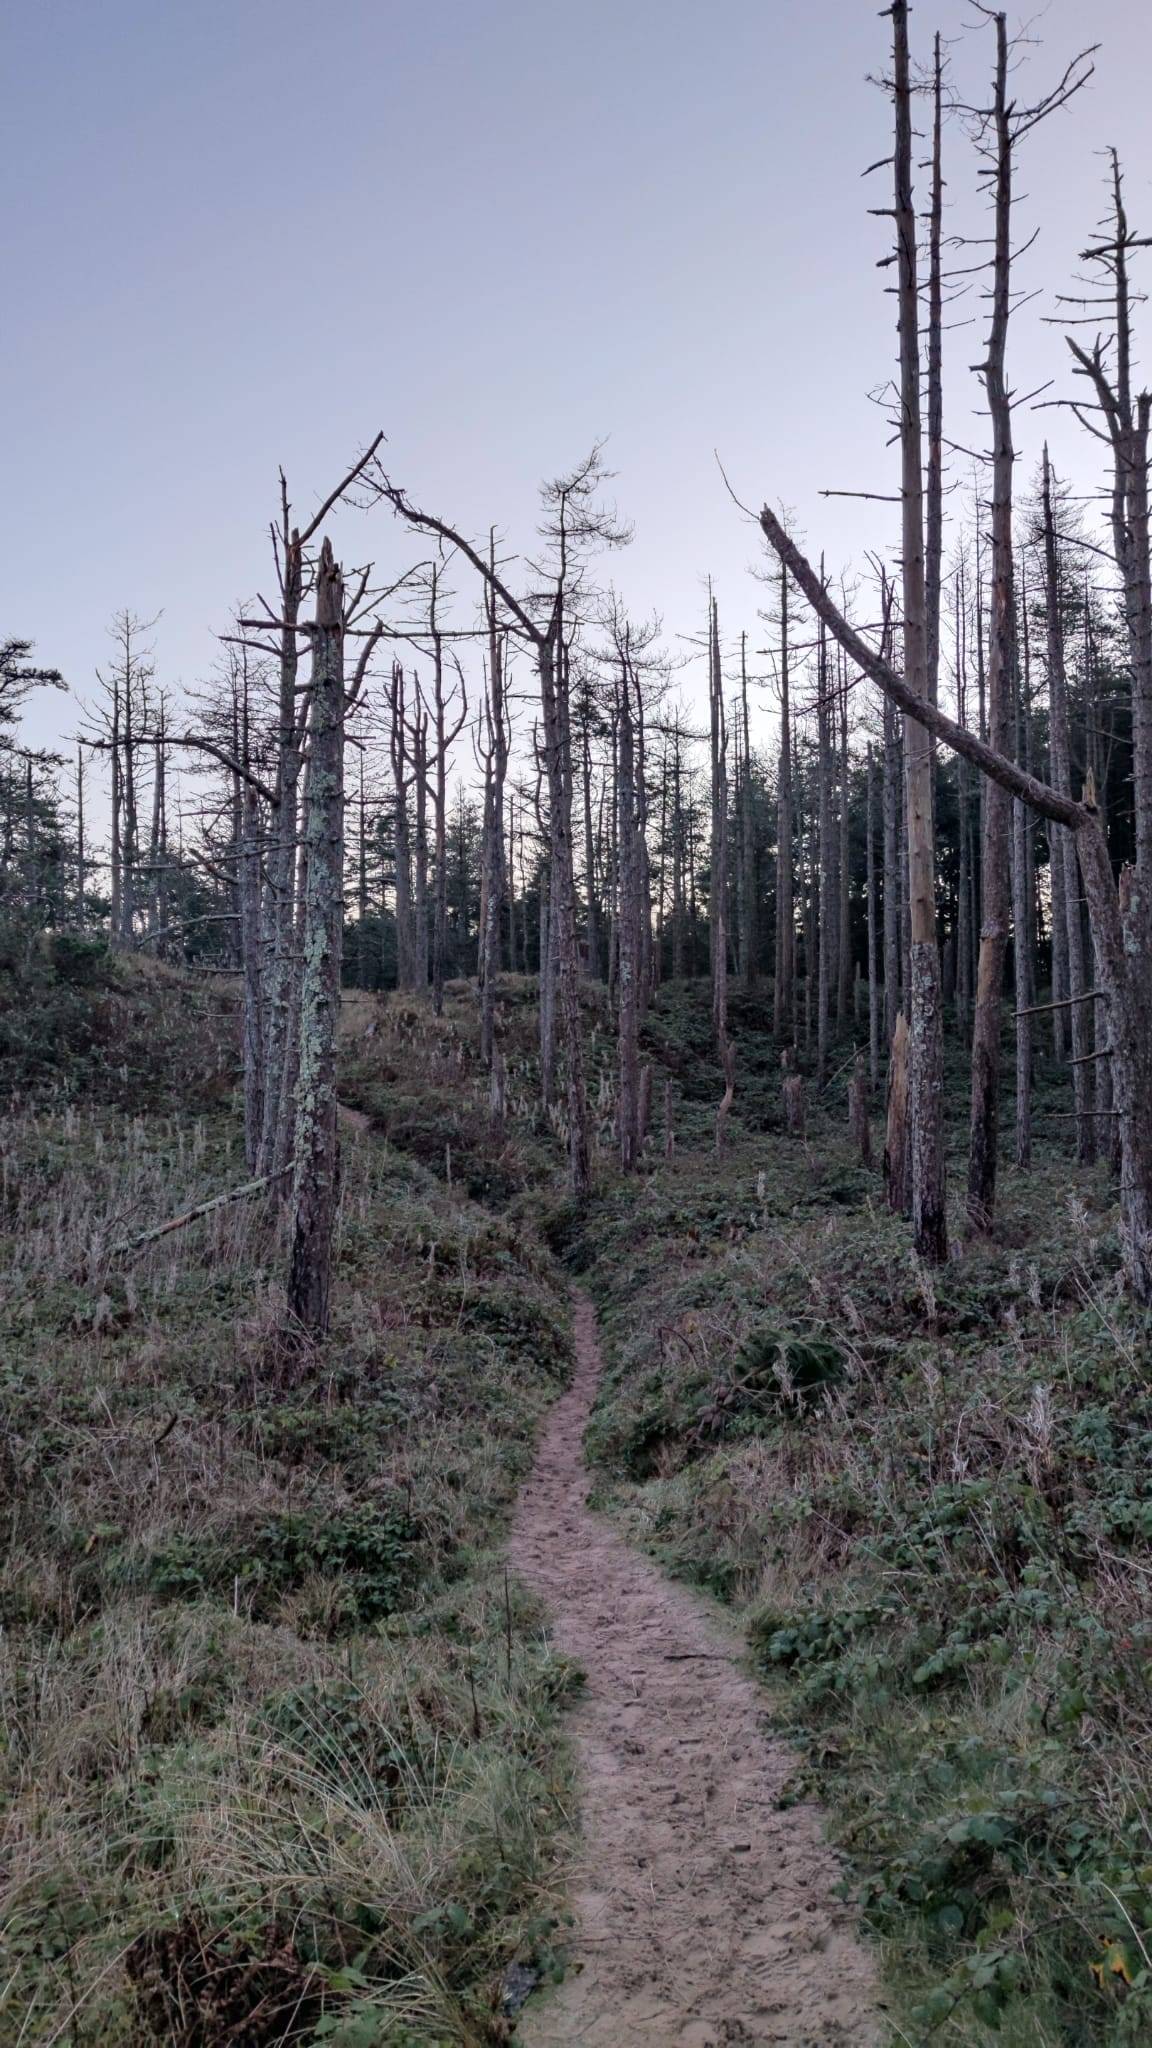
279,1753
928,1495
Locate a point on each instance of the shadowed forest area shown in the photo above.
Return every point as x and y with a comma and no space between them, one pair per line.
576,1338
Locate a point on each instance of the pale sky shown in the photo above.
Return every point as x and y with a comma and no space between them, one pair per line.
240,233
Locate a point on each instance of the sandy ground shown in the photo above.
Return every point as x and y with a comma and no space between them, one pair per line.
705,1915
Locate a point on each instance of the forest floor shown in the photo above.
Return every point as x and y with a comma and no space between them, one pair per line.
284,1748
706,1913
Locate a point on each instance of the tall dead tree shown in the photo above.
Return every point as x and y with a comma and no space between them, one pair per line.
315,1143
315,1184
572,524
445,739
718,871
403,779
628,872
1125,419
496,745
783,999
1000,129
926,1063
1060,839
290,545
983,1134
1117,911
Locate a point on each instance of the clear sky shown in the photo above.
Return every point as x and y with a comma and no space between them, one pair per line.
240,233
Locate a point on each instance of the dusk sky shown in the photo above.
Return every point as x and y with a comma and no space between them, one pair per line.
241,233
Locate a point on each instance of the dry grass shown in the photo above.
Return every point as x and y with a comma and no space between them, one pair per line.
278,1747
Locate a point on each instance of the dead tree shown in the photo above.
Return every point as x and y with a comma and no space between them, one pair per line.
629,971
1126,418
281,1006
315,1146
1061,841
1000,130
995,865
571,524
783,999
403,780
496,746
926,1085
315,1184
748,920
718,872
1118,912
873,948
445,739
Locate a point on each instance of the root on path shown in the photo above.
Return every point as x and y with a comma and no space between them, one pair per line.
705,1914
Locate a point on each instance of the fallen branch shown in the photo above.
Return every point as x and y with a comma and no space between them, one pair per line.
240,1194
1090,995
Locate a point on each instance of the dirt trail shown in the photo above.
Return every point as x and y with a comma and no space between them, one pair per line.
705,1915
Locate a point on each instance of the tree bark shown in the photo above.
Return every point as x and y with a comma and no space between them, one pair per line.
315,1187
926,1087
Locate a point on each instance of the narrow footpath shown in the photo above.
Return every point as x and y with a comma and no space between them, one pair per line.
706,1916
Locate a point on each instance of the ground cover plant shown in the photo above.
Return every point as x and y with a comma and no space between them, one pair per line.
928,1494
279,1748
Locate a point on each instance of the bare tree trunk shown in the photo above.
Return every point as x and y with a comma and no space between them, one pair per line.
748,921
496,720
824,859
984,1133
1022,956
401,832
444,740
898,1129
783,1006
843,918
893,777
873,936
926,1091
964,823
718,908
1061,840
315,1186
1121,918
81,864
628,975
558,763
117,865
420,878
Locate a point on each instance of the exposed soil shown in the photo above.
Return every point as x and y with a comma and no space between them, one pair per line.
705,1914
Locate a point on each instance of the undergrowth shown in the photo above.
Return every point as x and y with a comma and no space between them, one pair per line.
279,1745
929,1495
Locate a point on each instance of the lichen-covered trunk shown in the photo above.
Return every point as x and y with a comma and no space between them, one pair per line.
315,1184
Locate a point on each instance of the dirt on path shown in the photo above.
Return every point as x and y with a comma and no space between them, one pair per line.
705,1915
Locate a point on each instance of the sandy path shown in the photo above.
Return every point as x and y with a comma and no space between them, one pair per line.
705,1916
